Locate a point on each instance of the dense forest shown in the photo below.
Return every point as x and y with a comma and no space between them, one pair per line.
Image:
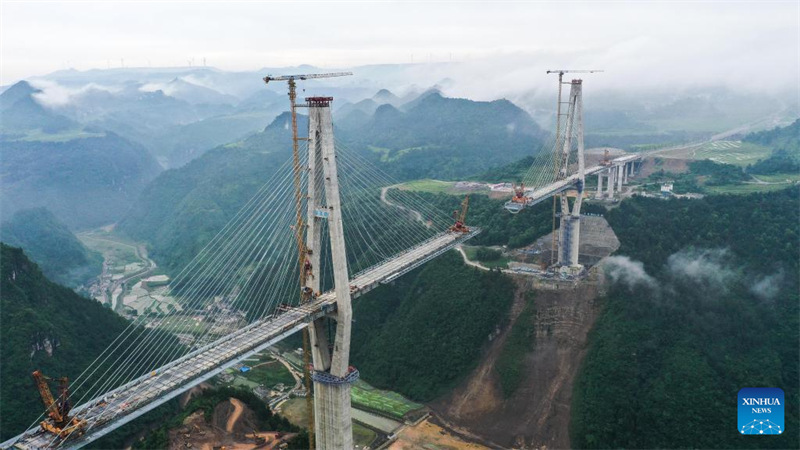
402,343
61,256
46,327
706,304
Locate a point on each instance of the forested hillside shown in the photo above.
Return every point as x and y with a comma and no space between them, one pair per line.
62,257
445,138
22,113
785,144
441,136
183,209
47,327
423,334
498,226
85,182
707,304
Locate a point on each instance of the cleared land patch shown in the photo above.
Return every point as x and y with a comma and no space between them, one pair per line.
728,152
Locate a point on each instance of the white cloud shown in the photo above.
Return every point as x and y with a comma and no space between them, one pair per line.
767,287
55,95
504,47
706,268
622,269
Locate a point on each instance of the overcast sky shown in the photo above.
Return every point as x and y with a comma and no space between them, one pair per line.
752,44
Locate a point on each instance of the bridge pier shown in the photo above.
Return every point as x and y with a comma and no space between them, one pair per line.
599,193
611,182
624,173
619,178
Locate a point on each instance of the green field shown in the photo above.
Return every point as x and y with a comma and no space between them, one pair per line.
183,324
432,186
388,403
779,177
64,136
745,188
439,187
472,255
362,435
729,152
120,250
269,374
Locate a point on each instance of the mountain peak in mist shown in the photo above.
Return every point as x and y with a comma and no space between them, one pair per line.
385,96
17,92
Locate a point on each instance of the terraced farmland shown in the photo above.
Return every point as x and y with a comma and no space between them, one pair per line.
729,152
387,403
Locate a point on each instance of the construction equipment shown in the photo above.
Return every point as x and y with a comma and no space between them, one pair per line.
606,159
58,421
461,217
300,227
259,440
561,161
518,201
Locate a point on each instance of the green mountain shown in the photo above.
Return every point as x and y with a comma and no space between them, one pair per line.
717,312
202,195
21,112
48,242
445,138
786,138
44,326
785,144
85,182
438,137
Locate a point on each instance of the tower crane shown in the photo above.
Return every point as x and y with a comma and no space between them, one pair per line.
299,228
560,166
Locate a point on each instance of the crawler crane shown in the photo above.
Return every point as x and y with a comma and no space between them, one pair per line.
58,421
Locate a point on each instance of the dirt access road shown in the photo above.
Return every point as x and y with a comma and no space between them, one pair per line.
237,412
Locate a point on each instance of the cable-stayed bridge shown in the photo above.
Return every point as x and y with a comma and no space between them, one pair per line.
141,395
241,292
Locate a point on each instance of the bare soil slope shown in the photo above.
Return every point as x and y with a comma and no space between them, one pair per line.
538,413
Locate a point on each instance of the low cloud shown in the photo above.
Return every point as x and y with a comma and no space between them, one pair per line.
705,268
55,95
622,269
766,288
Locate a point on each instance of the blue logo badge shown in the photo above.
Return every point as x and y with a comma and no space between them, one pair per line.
761,411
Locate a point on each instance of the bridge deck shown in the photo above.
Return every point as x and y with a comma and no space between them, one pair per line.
545,192
114,409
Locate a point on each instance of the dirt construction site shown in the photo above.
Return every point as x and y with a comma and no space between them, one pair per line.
537,415
232,427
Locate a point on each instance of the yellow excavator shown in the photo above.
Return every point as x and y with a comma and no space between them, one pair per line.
58,421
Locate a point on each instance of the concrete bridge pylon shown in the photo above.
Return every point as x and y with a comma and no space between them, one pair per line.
570,218
332,374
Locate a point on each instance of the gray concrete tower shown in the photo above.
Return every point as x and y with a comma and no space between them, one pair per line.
332,373
570,229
